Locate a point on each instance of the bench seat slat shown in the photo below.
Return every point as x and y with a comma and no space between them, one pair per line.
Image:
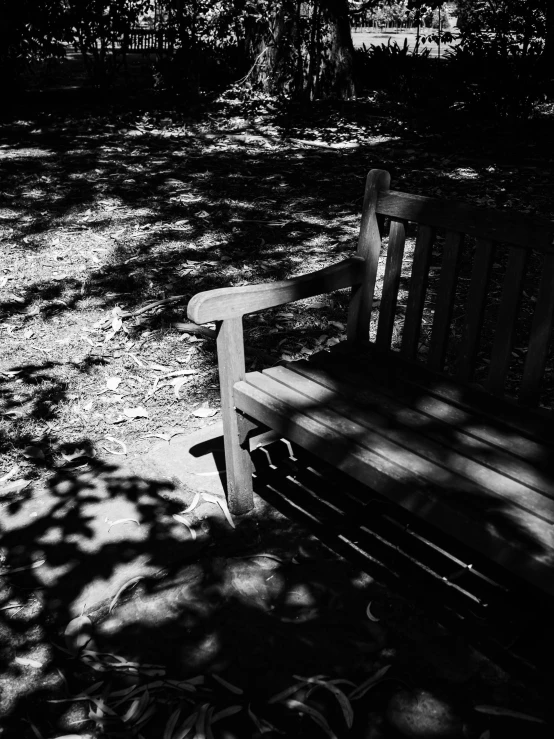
533,425
515,539
441,462
467,433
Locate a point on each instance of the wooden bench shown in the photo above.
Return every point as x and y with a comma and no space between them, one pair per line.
428,404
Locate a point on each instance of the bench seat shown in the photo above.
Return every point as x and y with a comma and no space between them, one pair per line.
478,468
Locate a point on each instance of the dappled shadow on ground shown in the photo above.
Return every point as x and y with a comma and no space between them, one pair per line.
200,201
118,207
261,607
144,208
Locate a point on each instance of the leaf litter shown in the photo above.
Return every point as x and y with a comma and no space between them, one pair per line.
115,331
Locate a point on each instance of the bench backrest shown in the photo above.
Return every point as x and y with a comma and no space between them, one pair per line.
454,236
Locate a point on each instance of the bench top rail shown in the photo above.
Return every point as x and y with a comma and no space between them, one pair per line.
518,229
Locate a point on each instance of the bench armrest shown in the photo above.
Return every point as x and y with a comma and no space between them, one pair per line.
233,302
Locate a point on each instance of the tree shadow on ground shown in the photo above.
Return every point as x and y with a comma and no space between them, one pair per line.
278,198
258,607
187,189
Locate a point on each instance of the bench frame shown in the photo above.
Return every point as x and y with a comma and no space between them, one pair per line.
520,233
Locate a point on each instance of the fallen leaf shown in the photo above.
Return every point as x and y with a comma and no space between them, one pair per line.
172,722
193,505
178,373
204,412
32,566
178,383
78,633
112,383
137,360
369,613
116,441
362,689
75,455
222,503
10,606
33,452
138,412
225,712
16,486
116,419
123,520
184,521
159,367
232,688
499,711
315,715
343,701
27,662
128,584
9,474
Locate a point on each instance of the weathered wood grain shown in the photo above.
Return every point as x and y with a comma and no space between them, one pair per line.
507,227
238,465
369,248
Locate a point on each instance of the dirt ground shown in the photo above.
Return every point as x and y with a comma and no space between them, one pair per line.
114,211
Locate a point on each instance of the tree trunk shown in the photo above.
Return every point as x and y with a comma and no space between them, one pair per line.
276,48
339,68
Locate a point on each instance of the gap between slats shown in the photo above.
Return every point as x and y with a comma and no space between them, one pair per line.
418,287
391,282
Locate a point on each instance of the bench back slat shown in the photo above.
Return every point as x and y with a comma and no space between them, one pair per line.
489,224
445,301
418,286
391,282
506,321
541,333
475,308
369,247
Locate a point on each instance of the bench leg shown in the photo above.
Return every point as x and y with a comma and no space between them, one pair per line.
238,465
